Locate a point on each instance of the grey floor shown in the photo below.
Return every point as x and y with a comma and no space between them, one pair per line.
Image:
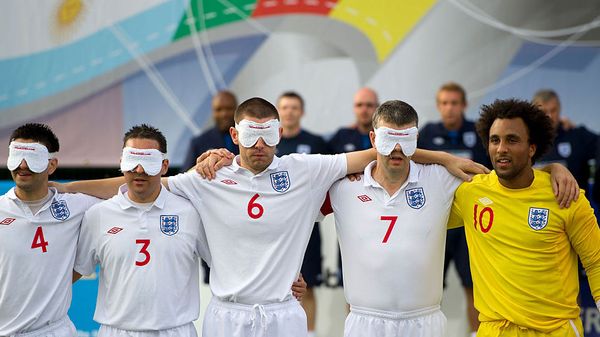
331,307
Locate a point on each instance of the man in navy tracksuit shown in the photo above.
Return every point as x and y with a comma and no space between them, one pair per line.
296,140
456,135
223,106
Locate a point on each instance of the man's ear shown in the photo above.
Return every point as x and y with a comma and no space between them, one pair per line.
52,165
234,135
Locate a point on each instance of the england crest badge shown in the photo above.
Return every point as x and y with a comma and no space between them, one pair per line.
469,138
169,224
415,197
280,181
60,210
538,218
564,149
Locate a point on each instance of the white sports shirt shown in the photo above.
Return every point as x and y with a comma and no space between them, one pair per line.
393,246
148,261
37,252
258,226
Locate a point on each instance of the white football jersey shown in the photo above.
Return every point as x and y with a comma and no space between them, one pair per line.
258,226
393,246
148,261
37,252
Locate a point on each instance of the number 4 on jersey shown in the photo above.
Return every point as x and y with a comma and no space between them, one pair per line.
39,241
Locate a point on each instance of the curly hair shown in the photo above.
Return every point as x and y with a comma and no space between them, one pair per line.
539,126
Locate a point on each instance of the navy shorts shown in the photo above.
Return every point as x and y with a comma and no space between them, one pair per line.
311,265
456,250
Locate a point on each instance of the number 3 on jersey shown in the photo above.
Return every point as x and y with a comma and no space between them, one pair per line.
38,240
144,251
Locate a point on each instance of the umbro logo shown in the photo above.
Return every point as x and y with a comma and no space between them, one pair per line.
364,198
114,230
7,221
229,182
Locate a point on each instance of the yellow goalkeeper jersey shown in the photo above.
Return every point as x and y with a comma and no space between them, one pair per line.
523,250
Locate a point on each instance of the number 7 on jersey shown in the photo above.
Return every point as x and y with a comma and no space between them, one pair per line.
392,220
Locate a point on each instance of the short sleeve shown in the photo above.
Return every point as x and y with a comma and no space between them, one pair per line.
202,242
326,169
584,235
86,258
183,185
455,219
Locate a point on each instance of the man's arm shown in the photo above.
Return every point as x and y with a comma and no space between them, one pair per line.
584,235
99,188
357,161
564,184
76,276
459,167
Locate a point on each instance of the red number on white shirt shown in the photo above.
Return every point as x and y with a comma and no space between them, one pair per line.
392,220
252,205
478,218
39,241
145,243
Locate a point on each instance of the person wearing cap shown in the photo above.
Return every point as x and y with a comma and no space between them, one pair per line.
38,239
148,243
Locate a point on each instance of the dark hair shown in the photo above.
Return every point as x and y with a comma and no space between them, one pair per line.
292,94
146,131
255,107
396,112
544,95
453,86
37,132
539,126
228,94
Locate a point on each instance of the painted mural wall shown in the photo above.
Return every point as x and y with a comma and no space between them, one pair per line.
91,69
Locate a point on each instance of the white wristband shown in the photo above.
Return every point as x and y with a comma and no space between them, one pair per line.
598,305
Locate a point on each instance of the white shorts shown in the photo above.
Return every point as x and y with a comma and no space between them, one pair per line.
61,328
227,319
428,322
186,330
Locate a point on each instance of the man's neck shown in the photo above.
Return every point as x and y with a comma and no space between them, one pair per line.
291,132
524,180
390,182
33,195
141,199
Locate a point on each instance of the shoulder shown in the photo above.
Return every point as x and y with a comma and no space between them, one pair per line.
102,207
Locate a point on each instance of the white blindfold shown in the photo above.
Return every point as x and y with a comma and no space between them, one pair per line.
150,160
35,155
249,132
386,140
